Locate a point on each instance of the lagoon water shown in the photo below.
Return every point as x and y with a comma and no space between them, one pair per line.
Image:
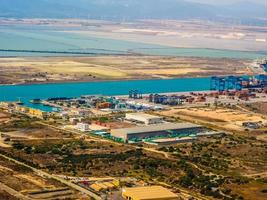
26,38
45,39
43,91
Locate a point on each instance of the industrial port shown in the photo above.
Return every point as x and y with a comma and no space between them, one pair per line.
202,145
145,109
134,124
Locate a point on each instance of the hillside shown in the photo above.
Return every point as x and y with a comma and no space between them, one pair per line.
128,9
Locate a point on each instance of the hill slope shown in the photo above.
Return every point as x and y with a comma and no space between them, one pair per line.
127,9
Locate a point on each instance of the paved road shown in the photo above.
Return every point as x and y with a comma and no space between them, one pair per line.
61,180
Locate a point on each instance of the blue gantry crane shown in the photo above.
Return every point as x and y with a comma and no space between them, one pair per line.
237,82
135,94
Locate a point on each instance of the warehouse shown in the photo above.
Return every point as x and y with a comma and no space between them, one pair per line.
156,130
148,193
82,127
143,118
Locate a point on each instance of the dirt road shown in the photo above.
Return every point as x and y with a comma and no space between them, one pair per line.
61,180
13,192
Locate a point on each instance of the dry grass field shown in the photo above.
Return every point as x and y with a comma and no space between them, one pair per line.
16,179
6,196
230,119
61,69
250,191
240,157
24,128
4,117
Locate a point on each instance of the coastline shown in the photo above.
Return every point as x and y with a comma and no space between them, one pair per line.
58,70
99,81
161,43
108,80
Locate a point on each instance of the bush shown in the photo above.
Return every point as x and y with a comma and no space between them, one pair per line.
185,181
18,146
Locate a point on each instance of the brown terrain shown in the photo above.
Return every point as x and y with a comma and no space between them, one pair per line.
18,182
222,118
229,162
169,33
63,69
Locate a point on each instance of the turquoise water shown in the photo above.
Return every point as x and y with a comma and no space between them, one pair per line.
210,53
59,41
23,38
28,92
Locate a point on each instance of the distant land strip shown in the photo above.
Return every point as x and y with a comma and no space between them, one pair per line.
61,52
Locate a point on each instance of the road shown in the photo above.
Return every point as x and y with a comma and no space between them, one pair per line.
61,180
184,192
262,175
165,154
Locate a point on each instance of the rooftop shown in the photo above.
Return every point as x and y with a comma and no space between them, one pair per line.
157,127
149,192
143,115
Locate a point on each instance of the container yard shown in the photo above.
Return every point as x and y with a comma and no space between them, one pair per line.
233,97
238,82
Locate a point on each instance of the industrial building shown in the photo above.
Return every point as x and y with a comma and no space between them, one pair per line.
104,185
32,112
82,127
148,193
155,130
143,118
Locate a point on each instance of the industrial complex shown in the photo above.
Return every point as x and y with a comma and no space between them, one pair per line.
238,83
156,130
143,118
126,128
133,100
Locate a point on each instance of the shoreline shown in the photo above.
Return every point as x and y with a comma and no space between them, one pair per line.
104,81
61,69
116,80
130,53
99,81
105,35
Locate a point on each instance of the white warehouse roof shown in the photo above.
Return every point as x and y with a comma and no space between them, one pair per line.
156,127
143,116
